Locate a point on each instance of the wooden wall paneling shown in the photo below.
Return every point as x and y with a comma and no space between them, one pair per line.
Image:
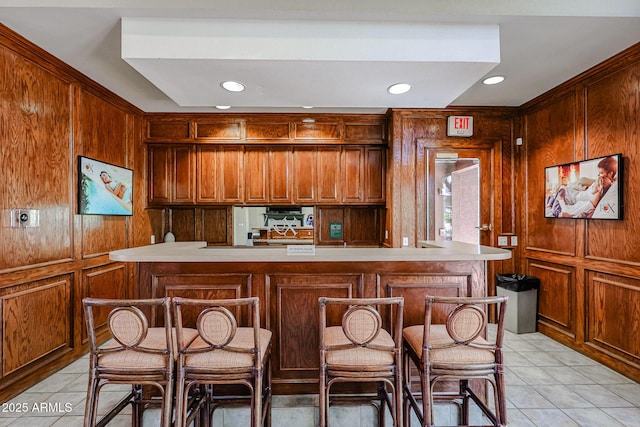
203,286
256,176
217,226
294,318
613,316
329,188
183,224
550,140
37,171
557,299
36,322
324,217
231,174
414,289
208,173
304,174
364,226
183,172
110,282
280,169
612,109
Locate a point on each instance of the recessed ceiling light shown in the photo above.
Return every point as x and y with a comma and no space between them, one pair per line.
232,86
493,80
308,120
307,107
399,88
223,107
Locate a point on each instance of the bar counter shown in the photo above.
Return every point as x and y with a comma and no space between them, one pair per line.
200,252
289,286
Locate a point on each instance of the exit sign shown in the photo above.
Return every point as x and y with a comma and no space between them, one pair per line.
460,126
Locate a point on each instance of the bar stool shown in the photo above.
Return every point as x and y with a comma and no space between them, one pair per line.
456,351
139,356
361,350
222,353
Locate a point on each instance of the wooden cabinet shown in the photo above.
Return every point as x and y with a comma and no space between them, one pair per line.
266,174
256,183
220,174
374,175
231,163
304,175
279,175
329,188
171,174
363,174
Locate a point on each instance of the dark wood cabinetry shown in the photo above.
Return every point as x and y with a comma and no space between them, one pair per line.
304,175
329,186
279,175
171,174
289,293
266,174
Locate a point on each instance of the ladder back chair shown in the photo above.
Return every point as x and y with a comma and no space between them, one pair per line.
138,355
456,351
360,349
222,353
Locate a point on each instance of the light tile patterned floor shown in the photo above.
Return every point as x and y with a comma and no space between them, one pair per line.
548,384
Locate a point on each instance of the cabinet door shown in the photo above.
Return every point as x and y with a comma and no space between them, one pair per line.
329,185
304,175
375,184
256,184
353,174
208,181
159,173
182,181
231,173
279,171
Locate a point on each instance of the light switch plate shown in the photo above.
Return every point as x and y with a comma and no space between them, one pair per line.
514,240
503,241
405,241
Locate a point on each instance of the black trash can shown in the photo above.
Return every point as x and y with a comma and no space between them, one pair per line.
522,308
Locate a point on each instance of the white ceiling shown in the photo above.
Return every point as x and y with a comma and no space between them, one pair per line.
337,55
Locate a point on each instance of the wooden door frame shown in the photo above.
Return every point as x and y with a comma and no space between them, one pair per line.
490,204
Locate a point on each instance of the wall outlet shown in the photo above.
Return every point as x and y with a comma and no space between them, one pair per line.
502,241
405,241
514,240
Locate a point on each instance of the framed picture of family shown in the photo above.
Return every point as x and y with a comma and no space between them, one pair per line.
590,189
103,188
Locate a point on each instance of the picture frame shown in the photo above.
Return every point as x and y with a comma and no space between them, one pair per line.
104,188
587,189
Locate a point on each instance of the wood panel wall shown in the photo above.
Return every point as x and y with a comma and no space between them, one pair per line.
413,130
49,115
589,269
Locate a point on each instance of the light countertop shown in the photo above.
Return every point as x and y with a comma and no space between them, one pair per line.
199,252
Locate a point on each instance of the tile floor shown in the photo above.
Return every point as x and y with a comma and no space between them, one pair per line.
547,385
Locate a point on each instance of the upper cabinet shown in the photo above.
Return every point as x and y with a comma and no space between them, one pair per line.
363,170
220,174
171,174
266,159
